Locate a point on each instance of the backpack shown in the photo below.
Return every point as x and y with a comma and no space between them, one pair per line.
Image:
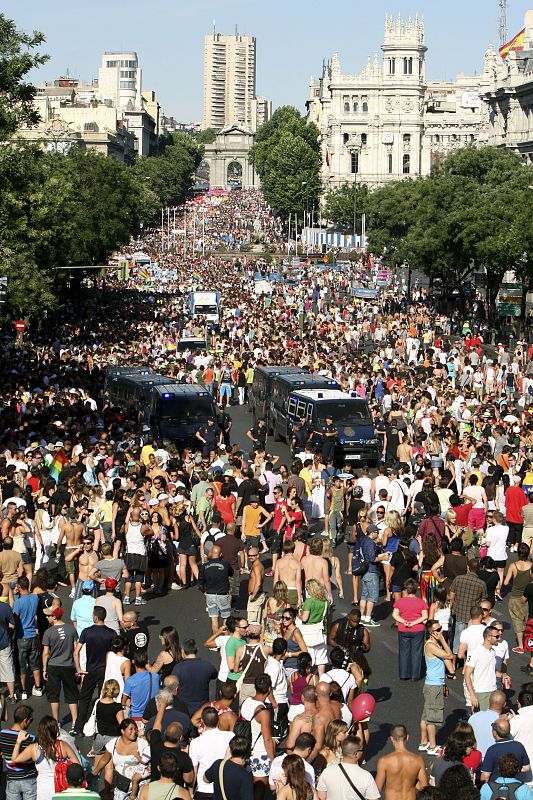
60,770
359,564
243,727
504,791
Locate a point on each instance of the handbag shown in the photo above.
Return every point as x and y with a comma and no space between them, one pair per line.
60,769
90,728
354,787
240,680
314,633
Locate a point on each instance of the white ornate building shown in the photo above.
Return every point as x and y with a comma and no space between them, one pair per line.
388,122
509,97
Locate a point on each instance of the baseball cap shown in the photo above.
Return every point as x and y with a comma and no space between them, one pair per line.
56,613
254,499
58,444
153,502
87,586
372,529
110,584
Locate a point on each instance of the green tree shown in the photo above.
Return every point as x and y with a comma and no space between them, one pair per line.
170,175
207,136
286,154
339,203
17,58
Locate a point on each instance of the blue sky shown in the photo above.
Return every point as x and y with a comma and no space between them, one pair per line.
292,39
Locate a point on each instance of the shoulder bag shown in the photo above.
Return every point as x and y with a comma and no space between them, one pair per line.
240,680
352,784
221,780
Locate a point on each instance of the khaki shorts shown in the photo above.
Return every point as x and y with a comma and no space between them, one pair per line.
433,711
254,608
518,612
7,671
527,536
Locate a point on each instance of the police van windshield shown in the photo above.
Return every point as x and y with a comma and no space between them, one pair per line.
344,411
186,409
203,309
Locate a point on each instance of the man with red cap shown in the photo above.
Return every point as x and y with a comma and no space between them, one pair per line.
59,668
112,605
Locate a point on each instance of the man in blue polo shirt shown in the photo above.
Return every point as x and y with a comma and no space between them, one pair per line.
503,744
25,611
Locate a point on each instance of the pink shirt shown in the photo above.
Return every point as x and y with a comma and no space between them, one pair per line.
411,608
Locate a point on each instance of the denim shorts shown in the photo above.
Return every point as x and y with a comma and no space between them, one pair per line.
29,653
218,605
370,587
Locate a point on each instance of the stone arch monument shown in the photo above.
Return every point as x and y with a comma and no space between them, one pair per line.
231,146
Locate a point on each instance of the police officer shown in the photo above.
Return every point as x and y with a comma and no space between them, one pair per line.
258,435
300,435
210,436
224,423
328,434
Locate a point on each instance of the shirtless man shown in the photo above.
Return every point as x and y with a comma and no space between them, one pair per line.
289,570
87,559
400,773
256,595
325,712
314,566
303,722
71,530
6,524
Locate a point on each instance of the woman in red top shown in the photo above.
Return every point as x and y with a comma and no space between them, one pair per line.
225,504
411,613
473,757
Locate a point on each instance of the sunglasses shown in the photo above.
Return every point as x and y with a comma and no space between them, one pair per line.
287,619
436,630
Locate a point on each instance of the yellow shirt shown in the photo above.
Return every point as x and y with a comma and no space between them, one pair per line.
308,478
251,517
146,452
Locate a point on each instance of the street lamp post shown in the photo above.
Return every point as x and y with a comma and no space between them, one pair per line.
304,183
354,148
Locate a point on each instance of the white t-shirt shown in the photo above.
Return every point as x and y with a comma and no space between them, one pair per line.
522,729
275,670
335,785
276,773
484,663
204,750
475,493
496,538
221,642
344,678
472,637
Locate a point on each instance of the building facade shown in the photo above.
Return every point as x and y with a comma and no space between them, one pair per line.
227,160
509,97
388,122
120,81
229,79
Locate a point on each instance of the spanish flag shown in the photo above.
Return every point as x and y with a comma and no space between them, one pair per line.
516,43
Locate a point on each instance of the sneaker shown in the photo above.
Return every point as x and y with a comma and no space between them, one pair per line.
518,650
423,747
126,601
12,699
269,574
71,595
371,623
140,601
74,732
435,751
176,587
24,695
37,691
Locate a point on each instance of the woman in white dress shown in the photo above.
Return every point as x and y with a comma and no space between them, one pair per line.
45,753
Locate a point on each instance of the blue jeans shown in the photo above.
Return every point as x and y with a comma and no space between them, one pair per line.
21,790
370,587
335,525
460,626
410,652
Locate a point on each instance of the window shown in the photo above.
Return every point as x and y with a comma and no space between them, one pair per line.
345,137
408,66
389,159
127,84
365,105
407,138
354,166
111,64
364,139
406,164
355,107
127,73
346,108
392,66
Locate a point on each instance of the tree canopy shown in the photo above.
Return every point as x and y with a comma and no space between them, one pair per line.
339,204
286,155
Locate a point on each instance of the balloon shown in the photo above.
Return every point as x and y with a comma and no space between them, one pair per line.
363,707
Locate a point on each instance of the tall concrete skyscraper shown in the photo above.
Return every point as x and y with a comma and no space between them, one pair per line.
229,80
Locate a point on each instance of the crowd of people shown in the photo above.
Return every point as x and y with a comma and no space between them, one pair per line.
304,564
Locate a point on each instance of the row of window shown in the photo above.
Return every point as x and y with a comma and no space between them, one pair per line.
406,63
364,138
127,73
123,63
127,84
354,105
406,163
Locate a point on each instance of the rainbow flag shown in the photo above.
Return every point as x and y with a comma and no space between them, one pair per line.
516,43
143,273
196,276
57,464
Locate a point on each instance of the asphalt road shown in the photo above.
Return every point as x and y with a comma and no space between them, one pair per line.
396,702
